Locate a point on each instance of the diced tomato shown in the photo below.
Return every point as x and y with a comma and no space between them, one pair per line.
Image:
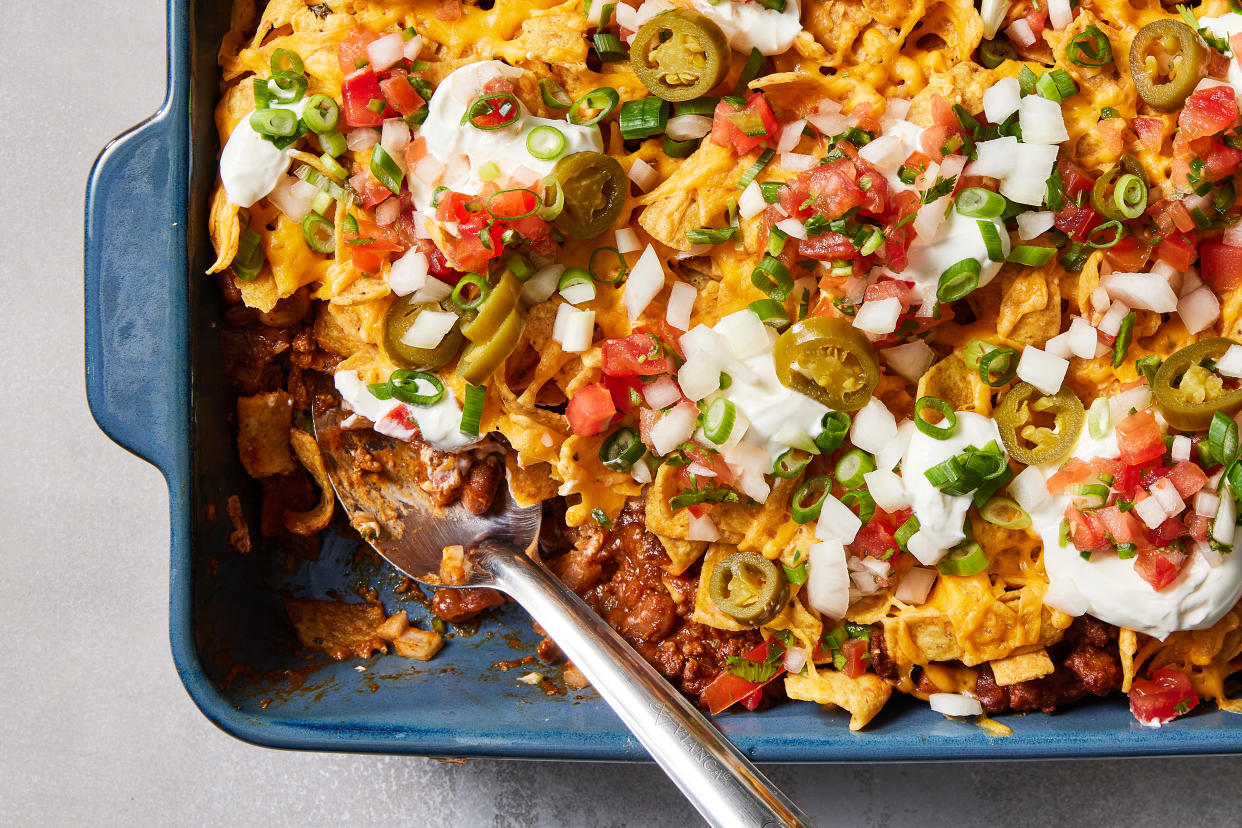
370,192
357,92
1197,526
647,418
478,244
1221,265
590,409
711,460
934,139
352,54
833,188
510,205
727,688
1122,527
622,390
457,207
1188,478
375,243
875,202
1086,531
1128,255
875,539
400,93
1139,438
1150,132
827,247
638,355
1076,222
1074,179
1159,567
1037,18
1162,698
725,132
1167,532
1077,471
1220,161
1207,112
1183,221
855,651
889,289
1150,475
1177,250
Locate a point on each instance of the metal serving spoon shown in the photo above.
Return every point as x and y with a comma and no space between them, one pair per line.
717,779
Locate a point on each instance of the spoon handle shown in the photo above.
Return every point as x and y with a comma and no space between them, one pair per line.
718,780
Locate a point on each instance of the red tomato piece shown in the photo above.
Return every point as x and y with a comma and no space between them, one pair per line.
352,54
1167,532
638,355
1139,438
875,539
1076,222
512,205
1122,527
400,94
1197,526
1159,567
889,289
1188,478
1221,265
727,688
1207,112
1220,161
1150,132
1077,471
827,247
1086,531
855,651
590,409
1162,698
357,92
725,130
622,390
1128,255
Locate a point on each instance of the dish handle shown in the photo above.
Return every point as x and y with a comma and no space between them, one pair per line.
135,290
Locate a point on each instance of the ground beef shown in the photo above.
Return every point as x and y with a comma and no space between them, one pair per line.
481,483
993,698
457,605
1097,669
881,661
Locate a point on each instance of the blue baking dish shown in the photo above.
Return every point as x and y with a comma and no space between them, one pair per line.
155,387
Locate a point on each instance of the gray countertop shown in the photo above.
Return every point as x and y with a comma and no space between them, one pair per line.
96,727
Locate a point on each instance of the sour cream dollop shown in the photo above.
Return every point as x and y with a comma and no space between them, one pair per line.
250,165
439,424
940,515
464,149
749,25
1110,589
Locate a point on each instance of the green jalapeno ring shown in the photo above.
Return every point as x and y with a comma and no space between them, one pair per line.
1181,411
680,55
1187,58
595,190
748,588
828,360
1013,417
400,317
1104,194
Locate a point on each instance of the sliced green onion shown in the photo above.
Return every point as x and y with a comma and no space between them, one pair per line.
487,205
966,559
833,428
772,277
618,273
1056,85
520,267
698,106
317,179
576,285
262,93
771,191
1121,346
604,99
1091,48
547,143
771,313
322,203
1130,196
718,420
1032,255
404,385
334,169
1008,369
680,149
948,425
386,170
332,143
503,104
609,47
1088,495
789,465
852,466
1099,238
622,449
489,171
808,499
872,242
751,70
248,261
553,94
377,105
974,350
349,225
863,500
980,203
753,171
643,118
1099,418
1223,438
991,239
320,234
1125,551
710,235
285,61
1148,366
905,532
472,409
322,114
1003,512
275,123
458,295
288,87
959,280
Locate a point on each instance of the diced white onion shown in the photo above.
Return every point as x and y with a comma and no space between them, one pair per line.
1041,120
362,138
412,48
650,9
661,393
1028,488
674,428
698,377
1032,224
1230,362
1190,280
993,13
429,329
891,452
1033,163
1150,512
1134,399
793,228
541,286
795,659
1141,290
293,197
1199,309
751,203
1224,526
1082,338
387,211
627,17
1059,346
995,158
952,166
916,585
645,281
886,153
1233,235
1001,100
688,127
790,135
836,521
1180,450
887,489
385,51
702,341
1042,370
1166,493
828,123
627,241
563,313
699,470
929,218
910,360
1213,557
879,316
578,292
643,174
393,138
428,169
702,529
1207,503
957,704
680,305
874,426
798,162
896,108
745,334
828,579
1020,33
1111,323
409,273
1059,14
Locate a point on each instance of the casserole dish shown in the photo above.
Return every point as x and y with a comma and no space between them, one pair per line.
155,387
